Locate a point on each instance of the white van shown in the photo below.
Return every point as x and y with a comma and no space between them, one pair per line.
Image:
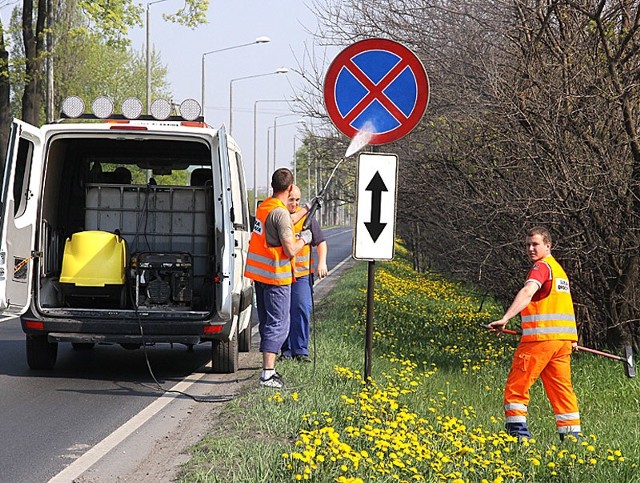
125,231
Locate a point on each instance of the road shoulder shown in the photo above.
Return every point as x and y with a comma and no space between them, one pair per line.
155,451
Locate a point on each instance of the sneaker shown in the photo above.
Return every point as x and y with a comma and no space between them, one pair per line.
302,358
274,381
284,357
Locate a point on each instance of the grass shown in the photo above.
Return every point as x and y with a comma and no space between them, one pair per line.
432,410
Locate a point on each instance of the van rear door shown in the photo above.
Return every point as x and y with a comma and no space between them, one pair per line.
19,204
227,252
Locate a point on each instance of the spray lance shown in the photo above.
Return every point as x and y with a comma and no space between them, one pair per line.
317,201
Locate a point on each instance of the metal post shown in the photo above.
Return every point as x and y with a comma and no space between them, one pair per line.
368,341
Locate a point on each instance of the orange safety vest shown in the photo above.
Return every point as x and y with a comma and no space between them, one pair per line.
304,258
551,318
265,263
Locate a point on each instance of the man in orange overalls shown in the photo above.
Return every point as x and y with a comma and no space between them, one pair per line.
549,336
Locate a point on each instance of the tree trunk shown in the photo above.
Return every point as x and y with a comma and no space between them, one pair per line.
5,120
34,43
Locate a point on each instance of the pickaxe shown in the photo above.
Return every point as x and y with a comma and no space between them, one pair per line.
629,369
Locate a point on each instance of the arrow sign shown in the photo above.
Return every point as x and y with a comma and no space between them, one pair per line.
376,186
374,232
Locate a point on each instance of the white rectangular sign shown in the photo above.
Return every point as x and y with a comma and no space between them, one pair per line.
375,230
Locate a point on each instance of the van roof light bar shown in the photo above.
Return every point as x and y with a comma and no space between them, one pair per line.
73,107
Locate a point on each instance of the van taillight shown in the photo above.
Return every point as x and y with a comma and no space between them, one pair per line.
213,329
34,324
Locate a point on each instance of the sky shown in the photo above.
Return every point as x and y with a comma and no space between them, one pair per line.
231,23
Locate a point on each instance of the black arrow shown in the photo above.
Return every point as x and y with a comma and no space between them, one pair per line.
376,186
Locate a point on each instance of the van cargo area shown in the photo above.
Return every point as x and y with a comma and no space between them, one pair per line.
131,232
92,190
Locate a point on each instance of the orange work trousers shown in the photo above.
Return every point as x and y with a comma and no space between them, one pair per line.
551,361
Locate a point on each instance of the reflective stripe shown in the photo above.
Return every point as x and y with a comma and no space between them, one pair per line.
543,317
550,330
285,262
303,258
252,269
516,419
567,416
515,407
569,429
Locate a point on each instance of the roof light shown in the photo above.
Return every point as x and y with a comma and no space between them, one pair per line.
160,109
102,107
190,109
131,108
72,106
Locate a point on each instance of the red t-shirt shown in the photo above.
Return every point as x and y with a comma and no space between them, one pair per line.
540,274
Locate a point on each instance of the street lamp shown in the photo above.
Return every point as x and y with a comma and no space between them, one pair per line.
255,148
274,138
279,70
149,54
275,130
259,40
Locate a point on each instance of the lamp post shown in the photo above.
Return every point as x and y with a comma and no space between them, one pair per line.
275,130
279,70
259,40
255,147
274,127
148,46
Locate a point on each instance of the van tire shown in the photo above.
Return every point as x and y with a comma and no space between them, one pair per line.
41,354
225,355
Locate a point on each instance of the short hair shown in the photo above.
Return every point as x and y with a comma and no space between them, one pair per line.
281,180
542,231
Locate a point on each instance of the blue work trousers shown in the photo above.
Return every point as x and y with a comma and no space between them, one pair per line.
273,314
300,315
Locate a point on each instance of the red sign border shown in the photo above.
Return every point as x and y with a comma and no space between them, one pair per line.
380,44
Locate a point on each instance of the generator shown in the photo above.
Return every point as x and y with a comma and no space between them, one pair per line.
162,280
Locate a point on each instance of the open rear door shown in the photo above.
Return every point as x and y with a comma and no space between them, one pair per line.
19,204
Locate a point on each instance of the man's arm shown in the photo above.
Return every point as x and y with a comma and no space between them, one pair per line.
322,259
292,245
522,299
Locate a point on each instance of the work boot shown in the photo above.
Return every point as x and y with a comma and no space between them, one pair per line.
519,430
563,436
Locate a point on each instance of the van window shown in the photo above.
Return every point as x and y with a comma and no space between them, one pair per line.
21,180
240,202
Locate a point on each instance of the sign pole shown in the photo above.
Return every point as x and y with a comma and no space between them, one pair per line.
378,87
368,340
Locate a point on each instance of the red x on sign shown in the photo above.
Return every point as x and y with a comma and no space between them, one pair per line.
379,86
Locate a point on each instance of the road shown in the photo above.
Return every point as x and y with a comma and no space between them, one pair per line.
50,419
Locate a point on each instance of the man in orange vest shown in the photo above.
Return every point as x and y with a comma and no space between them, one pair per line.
549,336
296,345
270,260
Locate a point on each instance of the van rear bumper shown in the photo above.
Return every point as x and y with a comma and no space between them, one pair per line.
121,338
123,330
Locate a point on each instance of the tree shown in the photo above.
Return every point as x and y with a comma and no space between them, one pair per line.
107,20
532,120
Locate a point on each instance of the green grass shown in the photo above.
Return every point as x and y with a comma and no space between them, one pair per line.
433,408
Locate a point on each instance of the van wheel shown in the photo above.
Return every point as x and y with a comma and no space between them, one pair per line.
225,355
41,354
244,340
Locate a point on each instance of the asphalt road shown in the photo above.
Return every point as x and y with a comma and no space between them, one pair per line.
50,419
